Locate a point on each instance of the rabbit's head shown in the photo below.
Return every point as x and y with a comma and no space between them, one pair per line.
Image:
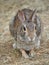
27,28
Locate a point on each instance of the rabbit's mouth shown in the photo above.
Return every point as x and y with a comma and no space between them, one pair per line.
26,39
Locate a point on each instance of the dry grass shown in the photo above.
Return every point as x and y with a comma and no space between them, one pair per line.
9,56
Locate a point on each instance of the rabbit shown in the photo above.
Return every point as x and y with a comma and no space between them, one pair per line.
26,31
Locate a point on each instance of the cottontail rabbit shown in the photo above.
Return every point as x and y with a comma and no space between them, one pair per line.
26,30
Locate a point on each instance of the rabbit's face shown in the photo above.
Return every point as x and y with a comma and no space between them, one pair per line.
27,32
26,29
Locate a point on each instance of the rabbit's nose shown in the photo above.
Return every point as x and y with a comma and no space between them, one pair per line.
31,34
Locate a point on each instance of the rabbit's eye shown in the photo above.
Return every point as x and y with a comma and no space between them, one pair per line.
35,27
24,28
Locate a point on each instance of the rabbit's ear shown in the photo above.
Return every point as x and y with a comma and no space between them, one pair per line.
32,17
21,16
34,14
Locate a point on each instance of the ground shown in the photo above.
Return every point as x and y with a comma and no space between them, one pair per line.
9,56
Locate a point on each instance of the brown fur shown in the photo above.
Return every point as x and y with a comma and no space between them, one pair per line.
26,29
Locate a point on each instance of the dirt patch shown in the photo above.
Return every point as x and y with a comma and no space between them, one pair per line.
9,56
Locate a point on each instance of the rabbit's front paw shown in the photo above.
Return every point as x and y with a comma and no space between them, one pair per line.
24,54
32,53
